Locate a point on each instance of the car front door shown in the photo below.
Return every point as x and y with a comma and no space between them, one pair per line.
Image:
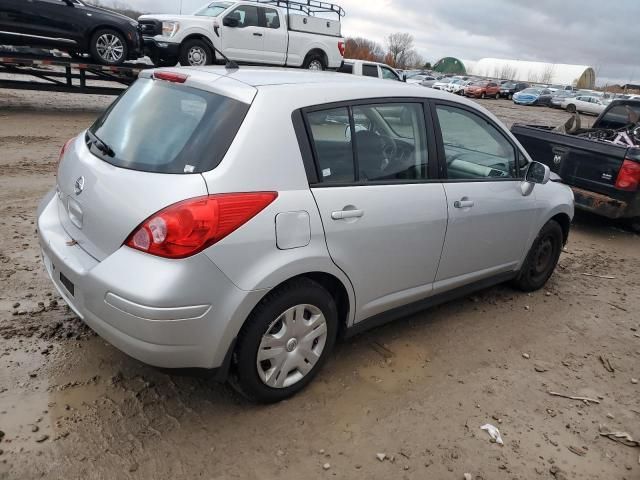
275,36
490,220
243,42
383,215
49,23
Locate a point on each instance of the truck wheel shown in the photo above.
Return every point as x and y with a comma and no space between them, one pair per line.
542,258
314,62
195,53
571,108
109,47
285,341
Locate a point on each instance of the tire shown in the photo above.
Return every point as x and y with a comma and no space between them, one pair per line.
571,108
265,381
196,53
634,224
109,47
510,97
542,258
314,62
497,96
483,95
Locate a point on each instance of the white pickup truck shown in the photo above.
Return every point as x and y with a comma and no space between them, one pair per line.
261,32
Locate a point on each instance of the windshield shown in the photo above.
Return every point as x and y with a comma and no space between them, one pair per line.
508,85
213,9
158,126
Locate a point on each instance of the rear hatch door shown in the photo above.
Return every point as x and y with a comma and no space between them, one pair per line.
145,153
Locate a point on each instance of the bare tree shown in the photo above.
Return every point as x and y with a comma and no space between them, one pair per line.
508,72
363,49
547,73
401,52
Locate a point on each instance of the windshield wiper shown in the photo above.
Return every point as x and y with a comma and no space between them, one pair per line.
102,146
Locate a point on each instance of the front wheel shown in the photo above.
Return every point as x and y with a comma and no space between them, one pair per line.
109,47
542,258
510,97
285,341
497,96
571,108
483,95
314,62
195,53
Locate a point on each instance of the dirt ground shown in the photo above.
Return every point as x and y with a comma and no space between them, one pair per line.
417,390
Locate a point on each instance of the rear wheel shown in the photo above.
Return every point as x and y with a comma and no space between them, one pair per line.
483,95
542,258
571,108
195,53
314,62
497,96
285,341
109,47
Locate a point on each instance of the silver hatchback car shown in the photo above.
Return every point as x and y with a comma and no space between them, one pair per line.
242,220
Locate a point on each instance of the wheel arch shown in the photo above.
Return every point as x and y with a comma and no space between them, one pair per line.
317,51
565,223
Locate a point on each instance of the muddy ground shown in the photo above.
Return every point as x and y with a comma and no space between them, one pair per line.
417,391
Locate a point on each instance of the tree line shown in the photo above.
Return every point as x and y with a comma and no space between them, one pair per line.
399,51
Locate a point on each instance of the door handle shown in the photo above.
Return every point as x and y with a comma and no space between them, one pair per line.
463,203
342,214
256,34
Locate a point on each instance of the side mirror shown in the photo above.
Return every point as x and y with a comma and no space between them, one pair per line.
230,21
537,173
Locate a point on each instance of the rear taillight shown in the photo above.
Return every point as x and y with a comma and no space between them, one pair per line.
629,176
174,77
341,48
188,227
64,149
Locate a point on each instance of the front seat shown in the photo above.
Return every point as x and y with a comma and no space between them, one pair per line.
371,159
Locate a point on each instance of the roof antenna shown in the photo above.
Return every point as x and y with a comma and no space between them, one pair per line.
230,65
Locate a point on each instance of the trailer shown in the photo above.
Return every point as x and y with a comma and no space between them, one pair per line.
61,74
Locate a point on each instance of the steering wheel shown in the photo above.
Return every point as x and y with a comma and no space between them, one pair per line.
389,146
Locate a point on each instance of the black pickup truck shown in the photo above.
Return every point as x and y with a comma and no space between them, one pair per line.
599,164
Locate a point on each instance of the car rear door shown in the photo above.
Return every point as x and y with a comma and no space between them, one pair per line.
490,221
245,42
370,70
383,214
275,36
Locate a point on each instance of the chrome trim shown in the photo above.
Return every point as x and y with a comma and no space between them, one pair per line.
64,40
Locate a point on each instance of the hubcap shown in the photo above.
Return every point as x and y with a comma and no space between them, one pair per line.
292,346
197,56
315,65
110,47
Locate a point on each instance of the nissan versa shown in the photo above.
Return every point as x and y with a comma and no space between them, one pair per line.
241,220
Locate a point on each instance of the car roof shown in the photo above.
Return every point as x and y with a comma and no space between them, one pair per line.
354,60
303,87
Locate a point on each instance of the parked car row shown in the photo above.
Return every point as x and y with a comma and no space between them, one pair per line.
263,33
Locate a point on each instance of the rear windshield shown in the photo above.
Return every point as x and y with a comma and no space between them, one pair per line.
621,115
157,126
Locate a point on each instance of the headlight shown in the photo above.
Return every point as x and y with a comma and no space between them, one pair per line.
169,29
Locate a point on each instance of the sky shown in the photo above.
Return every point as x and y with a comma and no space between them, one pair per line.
600,34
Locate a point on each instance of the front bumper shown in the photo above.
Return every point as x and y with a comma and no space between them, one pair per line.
167,313
605,205
161,50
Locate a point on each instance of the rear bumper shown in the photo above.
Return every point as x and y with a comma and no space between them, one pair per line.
158,50
605,205
167,313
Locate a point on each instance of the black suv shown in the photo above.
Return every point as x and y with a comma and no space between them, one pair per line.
507,89
70,25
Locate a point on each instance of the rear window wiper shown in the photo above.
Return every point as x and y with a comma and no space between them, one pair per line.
101,145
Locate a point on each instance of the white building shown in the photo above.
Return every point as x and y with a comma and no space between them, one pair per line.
580,76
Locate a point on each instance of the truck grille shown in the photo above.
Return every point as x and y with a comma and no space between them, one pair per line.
150,28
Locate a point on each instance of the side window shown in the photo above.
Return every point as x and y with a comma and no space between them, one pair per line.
346,68
272,18
390,142
474,148
331,139
247,16
369,70
388,74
